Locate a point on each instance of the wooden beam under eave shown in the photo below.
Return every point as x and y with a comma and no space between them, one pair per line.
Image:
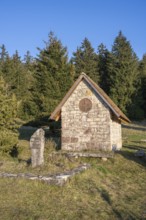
123,121
58,116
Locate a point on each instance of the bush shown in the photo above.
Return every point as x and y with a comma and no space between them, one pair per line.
8,115
50,146
8,140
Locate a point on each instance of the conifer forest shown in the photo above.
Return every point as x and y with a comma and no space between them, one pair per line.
31,87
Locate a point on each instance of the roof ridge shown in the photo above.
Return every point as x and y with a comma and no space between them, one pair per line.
97,89
83,74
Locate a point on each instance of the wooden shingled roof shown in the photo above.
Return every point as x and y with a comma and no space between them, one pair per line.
113,107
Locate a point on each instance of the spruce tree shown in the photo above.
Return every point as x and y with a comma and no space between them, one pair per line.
8,114
13,74
3,57
18,81
104,57
123,72
19,77
86,60
142,69
3,53
28,59
53,75
28,108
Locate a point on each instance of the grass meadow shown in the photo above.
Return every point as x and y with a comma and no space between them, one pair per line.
108,190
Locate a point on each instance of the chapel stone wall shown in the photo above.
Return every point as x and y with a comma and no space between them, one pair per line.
90,130
116,134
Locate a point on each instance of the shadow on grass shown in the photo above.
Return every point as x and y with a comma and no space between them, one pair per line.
14,152
119,214
52,130
106,197
25,132
125,215
130,155
134,127
134,147
28,161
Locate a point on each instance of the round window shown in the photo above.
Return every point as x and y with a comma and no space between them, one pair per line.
85,105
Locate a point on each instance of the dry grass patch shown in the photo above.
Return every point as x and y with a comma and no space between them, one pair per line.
114,189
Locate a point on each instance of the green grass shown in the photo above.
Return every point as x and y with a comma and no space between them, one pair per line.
115,189
134,138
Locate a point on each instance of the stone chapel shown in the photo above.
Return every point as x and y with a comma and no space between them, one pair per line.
90,120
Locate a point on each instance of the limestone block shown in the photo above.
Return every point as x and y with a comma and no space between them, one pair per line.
90,120
104,158
74,140
37,142
67,147
85,138
84,118
88,131
66,139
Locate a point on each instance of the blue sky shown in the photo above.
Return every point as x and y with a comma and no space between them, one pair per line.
25,24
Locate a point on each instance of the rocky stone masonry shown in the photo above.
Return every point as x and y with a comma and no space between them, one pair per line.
93,155
116,134
92,130
37,142
58,179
